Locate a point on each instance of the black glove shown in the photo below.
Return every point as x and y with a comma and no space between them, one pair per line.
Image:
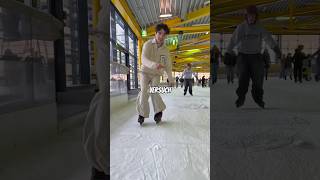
277,51
227,58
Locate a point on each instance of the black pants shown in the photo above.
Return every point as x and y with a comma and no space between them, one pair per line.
297,70
188,84
98,175
251,66
266,72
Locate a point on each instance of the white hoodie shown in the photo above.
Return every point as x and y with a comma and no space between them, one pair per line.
249,38
153,55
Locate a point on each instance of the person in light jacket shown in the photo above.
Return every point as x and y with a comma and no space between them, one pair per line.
248,38
155,61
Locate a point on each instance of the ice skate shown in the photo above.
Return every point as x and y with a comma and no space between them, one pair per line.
157,117
239,102
261,104
140,119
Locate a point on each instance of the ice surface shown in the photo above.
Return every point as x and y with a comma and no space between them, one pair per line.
176,149
280,142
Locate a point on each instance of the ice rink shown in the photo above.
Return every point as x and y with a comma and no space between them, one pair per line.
280,142
178,148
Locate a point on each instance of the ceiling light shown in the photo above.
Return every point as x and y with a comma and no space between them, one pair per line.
166,8
283,18
165,15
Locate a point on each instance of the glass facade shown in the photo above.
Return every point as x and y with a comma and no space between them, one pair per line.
42,5
26,61
123,55
71,43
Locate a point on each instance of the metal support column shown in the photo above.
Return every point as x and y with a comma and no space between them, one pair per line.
56,9
84,64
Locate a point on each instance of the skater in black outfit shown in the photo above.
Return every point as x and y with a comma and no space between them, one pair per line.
203,81
181,81
214,60
298,58
266,60
230,61
248,37
177,82
317,75
288,67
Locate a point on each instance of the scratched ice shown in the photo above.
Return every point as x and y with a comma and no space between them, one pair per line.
176,149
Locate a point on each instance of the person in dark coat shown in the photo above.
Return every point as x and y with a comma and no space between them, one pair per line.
230,61
203,81
267,62
298,58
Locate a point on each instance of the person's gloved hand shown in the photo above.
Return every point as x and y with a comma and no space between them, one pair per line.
278,52
159,66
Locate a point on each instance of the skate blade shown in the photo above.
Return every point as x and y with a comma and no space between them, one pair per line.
158,122
141,122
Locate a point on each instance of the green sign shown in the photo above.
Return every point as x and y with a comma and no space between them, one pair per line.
144,33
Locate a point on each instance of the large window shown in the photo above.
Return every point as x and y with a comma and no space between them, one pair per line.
72,56
42,5
132,72
123,55
120,32
26,61
131,42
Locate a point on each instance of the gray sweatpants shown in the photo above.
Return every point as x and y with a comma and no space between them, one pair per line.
143,108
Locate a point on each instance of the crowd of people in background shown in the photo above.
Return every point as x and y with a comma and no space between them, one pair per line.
297,66
189,78
203,81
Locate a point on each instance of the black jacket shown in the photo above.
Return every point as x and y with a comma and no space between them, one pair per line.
298,58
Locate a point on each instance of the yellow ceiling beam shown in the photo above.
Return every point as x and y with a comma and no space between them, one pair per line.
183,61
279,31
292,26
197,14
201,39
170,23
194,56
196,40
200,47
286,23
190,29
128,16
222,6
176,21
174,34
183,55
298,11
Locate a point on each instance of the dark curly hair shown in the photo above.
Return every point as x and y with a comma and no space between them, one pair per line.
164,27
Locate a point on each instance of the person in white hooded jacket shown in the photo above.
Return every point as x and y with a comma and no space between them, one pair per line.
248,38
155,61
96,137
